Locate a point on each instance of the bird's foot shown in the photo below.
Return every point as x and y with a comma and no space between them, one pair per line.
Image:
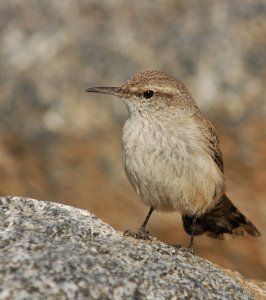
141,234
191,249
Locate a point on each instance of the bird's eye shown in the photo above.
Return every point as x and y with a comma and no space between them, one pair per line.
148,94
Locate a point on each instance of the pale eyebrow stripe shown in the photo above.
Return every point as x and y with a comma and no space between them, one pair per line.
166,90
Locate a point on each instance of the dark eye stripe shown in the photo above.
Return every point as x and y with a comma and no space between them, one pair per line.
148,94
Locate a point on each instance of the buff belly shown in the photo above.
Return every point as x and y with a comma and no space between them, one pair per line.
171,177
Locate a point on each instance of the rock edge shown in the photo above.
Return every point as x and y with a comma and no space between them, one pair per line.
54,251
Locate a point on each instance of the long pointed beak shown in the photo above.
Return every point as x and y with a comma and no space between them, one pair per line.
115,91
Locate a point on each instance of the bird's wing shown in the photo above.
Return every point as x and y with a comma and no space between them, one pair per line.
210,135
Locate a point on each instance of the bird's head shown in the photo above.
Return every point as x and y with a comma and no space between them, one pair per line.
150,91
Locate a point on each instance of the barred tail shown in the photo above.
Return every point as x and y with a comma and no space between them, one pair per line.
224,218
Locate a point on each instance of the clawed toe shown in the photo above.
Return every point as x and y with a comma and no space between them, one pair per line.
130,233
141,234
191,249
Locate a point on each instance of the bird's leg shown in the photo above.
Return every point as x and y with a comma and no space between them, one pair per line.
147,218
192,235
142,233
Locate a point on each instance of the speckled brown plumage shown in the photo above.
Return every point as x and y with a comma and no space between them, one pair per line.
172,157
224,218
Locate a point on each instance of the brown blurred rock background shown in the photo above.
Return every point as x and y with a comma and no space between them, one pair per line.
58,143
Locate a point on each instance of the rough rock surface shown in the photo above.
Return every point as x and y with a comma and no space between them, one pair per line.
53,251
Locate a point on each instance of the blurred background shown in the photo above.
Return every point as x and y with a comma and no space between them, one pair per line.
60,144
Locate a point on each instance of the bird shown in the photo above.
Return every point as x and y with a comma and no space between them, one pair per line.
172,157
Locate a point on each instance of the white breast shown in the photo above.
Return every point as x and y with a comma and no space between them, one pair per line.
170,170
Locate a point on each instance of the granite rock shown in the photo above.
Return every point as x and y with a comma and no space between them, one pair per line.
54,251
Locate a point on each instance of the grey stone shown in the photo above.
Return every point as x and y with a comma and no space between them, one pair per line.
54,251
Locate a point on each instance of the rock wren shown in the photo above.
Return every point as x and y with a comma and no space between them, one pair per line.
172,157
